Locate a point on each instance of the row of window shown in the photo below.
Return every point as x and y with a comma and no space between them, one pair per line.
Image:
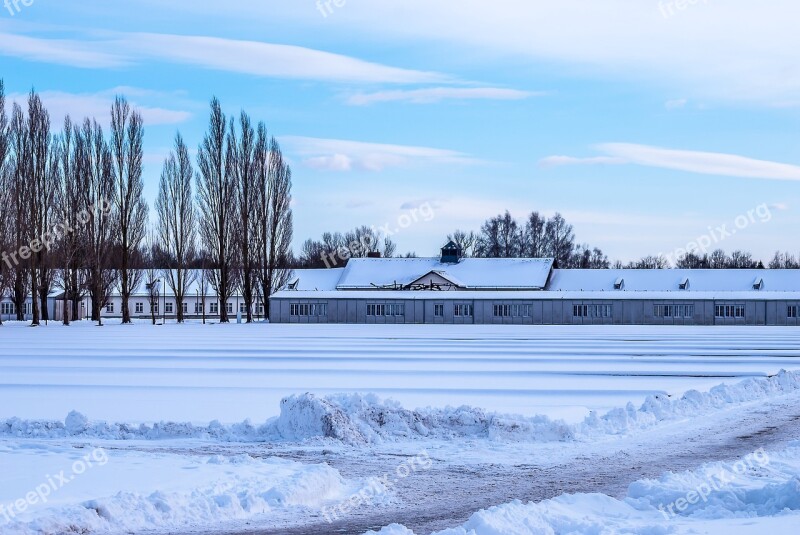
729,311
673,311
513,311
308,309
169,308
591,311
386,310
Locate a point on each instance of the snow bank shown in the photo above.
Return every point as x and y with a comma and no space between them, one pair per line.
362,419
764,486
166,492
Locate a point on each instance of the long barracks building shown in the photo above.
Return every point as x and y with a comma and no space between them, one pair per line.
452,290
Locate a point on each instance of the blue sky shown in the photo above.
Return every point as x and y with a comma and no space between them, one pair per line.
647,124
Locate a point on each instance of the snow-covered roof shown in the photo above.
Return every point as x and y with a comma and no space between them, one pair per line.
468,273
670,280
315,279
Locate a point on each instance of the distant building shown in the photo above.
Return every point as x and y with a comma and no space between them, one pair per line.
455,290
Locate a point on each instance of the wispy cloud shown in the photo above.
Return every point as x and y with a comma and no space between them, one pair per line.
555,161
706,163
98,105
59,51
343,155
433,95
255,58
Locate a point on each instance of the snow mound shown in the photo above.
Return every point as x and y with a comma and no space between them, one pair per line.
358,419
758,486
236,488
365,419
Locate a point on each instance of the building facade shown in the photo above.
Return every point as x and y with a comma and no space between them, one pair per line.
452,290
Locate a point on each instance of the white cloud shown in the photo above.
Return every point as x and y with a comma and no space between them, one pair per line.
554,161
702,51
343,155
98,106
676,104
437,94
59,52
706,163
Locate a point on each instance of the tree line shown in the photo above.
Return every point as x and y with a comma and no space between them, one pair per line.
75,218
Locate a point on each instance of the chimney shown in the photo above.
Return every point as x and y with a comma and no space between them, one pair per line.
374,254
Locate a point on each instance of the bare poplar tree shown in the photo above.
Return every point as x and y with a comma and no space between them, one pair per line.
127,133
216,195
274,216
244,167
5,201
177,234
97,187
19,191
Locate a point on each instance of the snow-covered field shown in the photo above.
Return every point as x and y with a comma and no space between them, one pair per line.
158,440
229,373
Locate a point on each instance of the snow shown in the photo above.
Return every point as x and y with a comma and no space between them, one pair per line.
718,281
161,490
758,494
315,279
471,273
231,373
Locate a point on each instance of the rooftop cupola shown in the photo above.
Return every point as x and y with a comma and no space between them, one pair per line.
451,253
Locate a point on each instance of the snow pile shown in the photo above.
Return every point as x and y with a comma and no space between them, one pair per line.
364,419
659,408
172,492
759,486
357,419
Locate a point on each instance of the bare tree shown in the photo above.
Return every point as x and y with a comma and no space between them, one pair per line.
97,187
560,240
500,237
177,234
19,191
465,240
216,195
535,236
6,267
244,166
127,133
274,216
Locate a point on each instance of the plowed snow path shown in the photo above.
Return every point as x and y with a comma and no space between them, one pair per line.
460,483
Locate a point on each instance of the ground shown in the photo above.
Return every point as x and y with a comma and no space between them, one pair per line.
563,410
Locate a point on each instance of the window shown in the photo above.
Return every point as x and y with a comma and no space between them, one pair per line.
7,309
502,311
592,311
198,308
463,311
155,307
260,309
185,308
29,308
375,309
438,310
673,311
729,311
792,312
229,308
215,307
110,308
169,307
139,307
243,308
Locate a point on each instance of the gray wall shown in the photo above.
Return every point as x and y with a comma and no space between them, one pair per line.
543,312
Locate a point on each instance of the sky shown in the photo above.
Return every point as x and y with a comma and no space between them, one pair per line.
650,125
